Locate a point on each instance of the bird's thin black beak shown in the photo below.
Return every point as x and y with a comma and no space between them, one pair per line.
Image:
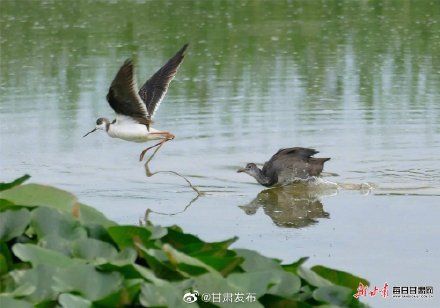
93,130
241,170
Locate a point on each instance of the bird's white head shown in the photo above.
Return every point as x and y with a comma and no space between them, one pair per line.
101,124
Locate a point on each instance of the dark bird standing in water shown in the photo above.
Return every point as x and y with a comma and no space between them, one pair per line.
287,166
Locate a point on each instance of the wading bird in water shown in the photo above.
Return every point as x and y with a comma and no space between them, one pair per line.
135,109
287,166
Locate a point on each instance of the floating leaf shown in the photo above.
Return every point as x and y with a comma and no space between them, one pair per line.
192,245
3,265
13,223
19,181
91,249
128,236
38,255
126,270
271,282
286,284
257,282
5,259
293,267
127,256
312,278
69,300
38,281
39,195
335,295
47,221
10,302
186,263
87,281
156,231
124,296
214,254
253,261
306,293
98,232
8,286
90,215
158,262
165,295
149,275
225,265
56,243
5,204
339,277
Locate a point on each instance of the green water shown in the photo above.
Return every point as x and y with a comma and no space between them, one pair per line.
357,80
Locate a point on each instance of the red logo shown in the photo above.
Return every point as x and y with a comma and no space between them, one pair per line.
363,291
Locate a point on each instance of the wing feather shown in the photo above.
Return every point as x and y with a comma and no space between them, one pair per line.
155,88
123,97
276,162
299,152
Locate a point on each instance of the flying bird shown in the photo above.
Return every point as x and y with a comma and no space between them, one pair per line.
135,109
287,166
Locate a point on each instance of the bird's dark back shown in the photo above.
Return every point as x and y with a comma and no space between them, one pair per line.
294,158
294,152
316,165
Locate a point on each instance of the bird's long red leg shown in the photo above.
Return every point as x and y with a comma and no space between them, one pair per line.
167,136
141,157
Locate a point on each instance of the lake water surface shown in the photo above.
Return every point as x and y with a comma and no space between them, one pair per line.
358,81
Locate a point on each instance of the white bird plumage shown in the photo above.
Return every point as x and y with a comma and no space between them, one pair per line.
127,129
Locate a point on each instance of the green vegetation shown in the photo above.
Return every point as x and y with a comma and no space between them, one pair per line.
55,251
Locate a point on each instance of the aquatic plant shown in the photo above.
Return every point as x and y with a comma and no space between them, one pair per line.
55,251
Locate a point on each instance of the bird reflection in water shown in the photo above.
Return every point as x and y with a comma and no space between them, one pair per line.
294,206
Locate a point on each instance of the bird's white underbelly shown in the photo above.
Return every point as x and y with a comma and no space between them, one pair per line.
133,132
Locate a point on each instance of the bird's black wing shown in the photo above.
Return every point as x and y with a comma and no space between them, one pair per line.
303,153
123,97
153,91
277,160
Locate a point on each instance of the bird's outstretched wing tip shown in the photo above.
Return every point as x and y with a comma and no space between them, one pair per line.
183,49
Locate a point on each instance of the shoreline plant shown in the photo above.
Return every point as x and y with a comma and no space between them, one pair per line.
57,252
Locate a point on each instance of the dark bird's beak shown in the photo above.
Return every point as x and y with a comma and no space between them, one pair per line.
93,130
241,170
